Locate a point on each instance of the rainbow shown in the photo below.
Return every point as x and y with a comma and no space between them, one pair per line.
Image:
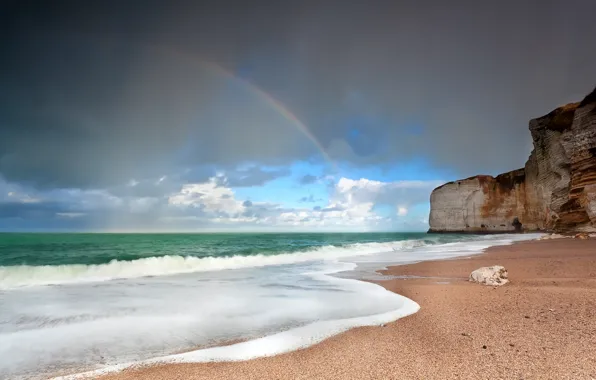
277,105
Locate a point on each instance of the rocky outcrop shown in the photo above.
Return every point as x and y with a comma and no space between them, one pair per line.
492,276
556,190
479,204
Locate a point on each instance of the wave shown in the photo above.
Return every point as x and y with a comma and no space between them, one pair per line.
279,343
27,275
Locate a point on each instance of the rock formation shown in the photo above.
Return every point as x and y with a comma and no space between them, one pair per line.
556,190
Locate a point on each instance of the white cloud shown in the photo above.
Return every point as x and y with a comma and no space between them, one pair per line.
208,196
233,220
391,193
351,204
23,198
358,197
70,214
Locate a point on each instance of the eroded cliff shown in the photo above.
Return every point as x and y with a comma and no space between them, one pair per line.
556,190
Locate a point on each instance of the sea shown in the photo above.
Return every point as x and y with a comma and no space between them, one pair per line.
79,302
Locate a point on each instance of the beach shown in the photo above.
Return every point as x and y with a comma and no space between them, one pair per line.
542,325
73,303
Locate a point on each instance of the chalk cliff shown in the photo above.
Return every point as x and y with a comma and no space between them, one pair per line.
556,190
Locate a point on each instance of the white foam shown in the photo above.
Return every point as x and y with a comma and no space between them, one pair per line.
78,326
275,344
26,275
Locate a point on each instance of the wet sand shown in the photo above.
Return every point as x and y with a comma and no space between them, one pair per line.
542,325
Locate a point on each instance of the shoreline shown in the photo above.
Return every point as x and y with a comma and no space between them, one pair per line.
495,337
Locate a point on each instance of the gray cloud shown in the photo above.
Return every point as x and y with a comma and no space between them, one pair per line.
94,95
146,188
31,210
309,199
308,179
253,176
334,208
102,117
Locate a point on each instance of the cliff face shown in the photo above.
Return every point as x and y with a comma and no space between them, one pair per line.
556,190
479,204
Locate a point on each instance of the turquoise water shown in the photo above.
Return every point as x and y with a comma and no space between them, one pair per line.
90,248
77,302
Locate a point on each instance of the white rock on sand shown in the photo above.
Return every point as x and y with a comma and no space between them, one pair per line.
492,276
552,236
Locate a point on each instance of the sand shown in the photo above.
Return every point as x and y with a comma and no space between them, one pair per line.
542,325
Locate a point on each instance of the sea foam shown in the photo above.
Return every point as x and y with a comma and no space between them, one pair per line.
275,344
27,275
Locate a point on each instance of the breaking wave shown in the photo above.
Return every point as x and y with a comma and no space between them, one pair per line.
27,275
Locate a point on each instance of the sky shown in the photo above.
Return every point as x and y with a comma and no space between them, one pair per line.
133,116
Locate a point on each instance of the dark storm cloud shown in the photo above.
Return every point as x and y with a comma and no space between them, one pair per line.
31,210
94,94
44,216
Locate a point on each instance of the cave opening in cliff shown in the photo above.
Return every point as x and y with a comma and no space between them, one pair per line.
517,224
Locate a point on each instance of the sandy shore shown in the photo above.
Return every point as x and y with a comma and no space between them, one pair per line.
540,326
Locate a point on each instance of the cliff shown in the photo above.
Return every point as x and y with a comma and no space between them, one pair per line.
556,190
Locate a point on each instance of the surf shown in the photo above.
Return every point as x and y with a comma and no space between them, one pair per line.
27,275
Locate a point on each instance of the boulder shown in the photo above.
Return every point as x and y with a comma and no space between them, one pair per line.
582,236
492,276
